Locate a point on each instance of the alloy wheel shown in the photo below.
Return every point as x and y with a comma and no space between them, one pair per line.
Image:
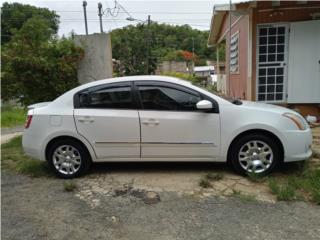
67,159
255,156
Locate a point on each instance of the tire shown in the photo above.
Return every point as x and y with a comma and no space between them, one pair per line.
68,158
255,154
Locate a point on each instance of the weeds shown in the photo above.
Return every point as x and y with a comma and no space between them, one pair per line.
214,176
256,178
205,181
69,186
12,116
13,158
243,197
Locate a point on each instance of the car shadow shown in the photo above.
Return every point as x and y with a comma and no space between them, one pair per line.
177,167
183,167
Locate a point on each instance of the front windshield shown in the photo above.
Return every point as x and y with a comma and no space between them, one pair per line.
225,97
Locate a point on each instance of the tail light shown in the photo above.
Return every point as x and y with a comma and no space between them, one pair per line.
28,121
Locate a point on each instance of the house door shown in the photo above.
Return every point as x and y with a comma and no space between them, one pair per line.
304,62
271,62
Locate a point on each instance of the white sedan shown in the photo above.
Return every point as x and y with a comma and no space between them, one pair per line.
156,118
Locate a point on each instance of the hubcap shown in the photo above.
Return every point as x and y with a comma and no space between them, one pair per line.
255,156
67,159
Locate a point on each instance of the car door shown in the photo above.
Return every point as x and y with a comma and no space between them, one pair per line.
171,125
107,117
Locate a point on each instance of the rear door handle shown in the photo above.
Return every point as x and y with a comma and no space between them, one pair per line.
151,121
86,119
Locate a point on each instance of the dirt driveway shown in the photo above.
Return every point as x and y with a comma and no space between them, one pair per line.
110,204
151,201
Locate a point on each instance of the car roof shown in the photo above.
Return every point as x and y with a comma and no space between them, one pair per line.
137,78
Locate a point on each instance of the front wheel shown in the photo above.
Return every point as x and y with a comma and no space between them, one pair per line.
68,158
255,154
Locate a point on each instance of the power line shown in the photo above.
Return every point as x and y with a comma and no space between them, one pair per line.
93,19
131,12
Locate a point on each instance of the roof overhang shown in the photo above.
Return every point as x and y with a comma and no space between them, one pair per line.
219,11
215,26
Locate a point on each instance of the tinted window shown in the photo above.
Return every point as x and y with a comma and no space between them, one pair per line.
165,98
108,97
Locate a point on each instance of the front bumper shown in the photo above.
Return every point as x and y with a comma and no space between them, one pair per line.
297,145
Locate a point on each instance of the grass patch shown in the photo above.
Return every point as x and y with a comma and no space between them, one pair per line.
243,197
205,181
12,116
256,178
214,176
284,192
69,186
302,185
13,158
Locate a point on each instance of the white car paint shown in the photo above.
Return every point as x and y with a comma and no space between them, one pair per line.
142,135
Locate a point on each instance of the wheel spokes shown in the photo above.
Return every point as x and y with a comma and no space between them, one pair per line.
255,156
67,159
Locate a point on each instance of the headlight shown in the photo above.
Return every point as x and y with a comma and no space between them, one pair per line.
298,120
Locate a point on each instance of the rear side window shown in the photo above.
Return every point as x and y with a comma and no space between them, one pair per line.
116,97
167,98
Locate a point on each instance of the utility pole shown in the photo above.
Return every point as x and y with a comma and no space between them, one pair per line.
192,47
229,67
148,45
192,56
84,4
100,16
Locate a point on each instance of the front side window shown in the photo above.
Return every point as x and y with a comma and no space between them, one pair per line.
118,97
166,98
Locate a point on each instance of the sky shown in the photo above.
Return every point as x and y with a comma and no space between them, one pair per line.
196,13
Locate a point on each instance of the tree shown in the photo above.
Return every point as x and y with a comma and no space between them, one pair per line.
129,45
14,15
180,55
37,66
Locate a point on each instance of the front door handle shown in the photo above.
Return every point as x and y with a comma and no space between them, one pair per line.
151,121
86,119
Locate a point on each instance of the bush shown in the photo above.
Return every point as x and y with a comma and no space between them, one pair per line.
12,116
37,66
184,76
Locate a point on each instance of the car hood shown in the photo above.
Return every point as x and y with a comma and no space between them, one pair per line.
266,107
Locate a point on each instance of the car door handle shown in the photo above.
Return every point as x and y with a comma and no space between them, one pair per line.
151,122
86,119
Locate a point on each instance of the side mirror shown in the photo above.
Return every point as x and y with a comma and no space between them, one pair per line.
204,105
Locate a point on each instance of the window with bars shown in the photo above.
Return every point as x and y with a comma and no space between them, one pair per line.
234,53
271,63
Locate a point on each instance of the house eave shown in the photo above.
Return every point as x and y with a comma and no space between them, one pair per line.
216,22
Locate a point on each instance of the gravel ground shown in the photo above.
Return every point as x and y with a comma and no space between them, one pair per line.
39,208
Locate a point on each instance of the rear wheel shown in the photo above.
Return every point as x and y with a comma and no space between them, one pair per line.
68,158
255,153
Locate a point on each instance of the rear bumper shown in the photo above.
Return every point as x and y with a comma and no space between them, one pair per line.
32,146
297,145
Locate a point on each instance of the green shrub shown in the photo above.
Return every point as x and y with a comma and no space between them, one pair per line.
13,158
12,116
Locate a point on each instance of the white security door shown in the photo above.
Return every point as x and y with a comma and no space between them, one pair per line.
271,63
172,127
304,62
107,117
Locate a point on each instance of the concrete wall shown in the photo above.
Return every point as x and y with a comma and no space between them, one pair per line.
97,62
173,66
222,83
